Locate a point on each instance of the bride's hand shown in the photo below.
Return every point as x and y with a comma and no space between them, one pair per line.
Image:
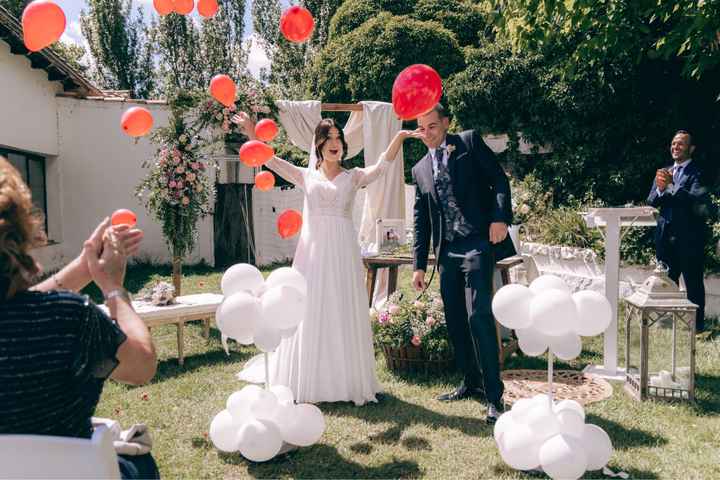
417,133
245,123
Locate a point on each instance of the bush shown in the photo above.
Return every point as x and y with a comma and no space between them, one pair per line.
353,13
464,18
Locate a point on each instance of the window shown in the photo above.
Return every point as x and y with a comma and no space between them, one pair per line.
32,169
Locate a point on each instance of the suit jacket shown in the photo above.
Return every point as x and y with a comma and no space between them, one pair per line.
481,189
684,213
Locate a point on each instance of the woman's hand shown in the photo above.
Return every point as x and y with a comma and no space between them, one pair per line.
107,265
246,124
417,133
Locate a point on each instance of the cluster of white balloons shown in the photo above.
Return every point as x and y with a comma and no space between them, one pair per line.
261,311
547,315
258,422
537,434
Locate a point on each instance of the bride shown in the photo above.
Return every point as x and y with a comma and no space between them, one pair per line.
331,357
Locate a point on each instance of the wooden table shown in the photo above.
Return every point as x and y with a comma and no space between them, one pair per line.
373,264
187,308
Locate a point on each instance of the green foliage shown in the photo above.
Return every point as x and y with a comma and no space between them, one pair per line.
363,64
604,31
15,7
117,37
353,13
73,54
530,199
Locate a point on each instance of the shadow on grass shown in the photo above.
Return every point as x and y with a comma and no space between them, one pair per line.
624,438
322,461
500,469
707,394
169,368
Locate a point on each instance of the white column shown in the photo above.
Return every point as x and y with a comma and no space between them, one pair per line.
612,274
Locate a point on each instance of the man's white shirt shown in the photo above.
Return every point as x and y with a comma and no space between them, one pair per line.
673,187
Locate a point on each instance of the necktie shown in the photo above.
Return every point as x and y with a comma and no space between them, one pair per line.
677,171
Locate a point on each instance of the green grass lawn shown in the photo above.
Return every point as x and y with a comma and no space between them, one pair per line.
409,433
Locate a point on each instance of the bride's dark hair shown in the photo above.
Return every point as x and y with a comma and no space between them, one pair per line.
322,134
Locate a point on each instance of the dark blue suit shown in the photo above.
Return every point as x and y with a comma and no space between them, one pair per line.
682,231
466,264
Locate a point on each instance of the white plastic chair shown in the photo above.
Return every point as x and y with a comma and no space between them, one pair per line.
40,456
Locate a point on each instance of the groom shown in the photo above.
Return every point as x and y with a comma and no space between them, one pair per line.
462,200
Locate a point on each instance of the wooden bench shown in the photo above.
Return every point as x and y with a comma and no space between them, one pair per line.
187,308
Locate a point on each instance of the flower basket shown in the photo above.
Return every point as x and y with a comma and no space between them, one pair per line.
412,359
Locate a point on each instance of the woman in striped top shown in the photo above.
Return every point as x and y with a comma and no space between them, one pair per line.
56,347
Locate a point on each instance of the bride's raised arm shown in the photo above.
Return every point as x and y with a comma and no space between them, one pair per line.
367,175
288,171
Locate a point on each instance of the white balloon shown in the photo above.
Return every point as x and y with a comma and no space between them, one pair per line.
520,448
571,423
267,338
594,313
532,342
287,276
542,422
283,307
264,406
304,424
237,317
597,445
511,306
223,432
284,418
238,404
259,440
503,424
284,394
241,277
566,347
548,282
570,405
563,457
553,312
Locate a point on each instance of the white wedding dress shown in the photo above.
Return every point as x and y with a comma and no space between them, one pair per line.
331,357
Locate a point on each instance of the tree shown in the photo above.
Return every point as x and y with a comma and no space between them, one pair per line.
177,41
15,7
121,54
73,54
603,30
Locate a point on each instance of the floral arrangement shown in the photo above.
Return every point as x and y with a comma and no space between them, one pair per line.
529,199
413,323
162,293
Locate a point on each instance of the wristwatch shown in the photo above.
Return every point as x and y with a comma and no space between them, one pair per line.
119,292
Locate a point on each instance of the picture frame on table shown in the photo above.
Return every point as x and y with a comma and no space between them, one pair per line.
389,234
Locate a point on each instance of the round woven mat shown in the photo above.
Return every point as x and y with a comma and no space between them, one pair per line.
567,385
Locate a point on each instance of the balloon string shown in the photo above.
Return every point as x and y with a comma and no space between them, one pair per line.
267,371
550,377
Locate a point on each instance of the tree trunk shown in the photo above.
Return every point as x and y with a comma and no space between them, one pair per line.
177,274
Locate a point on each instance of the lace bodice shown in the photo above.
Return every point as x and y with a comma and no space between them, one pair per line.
326,197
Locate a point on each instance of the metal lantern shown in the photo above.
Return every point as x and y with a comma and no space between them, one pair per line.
660,341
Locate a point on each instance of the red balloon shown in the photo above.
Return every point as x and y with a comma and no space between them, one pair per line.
123,217
43,24
266,129
297,24
184,7
136,121
222,88
264,181
255,153
416,90
207,8
164,7
289,223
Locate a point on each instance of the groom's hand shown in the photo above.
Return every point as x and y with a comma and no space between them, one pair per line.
498,232
418,280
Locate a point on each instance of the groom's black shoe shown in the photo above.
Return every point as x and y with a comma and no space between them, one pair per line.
494,412
461,393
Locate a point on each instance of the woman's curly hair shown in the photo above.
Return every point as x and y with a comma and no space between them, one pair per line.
21,230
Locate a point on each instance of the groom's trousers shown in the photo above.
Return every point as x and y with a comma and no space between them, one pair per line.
466,270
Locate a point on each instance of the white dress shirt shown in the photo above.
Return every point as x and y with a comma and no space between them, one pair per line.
433,154
674,169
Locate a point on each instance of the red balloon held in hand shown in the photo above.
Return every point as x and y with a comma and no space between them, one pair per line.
255,153
207,8
164,7
136,121
264,181
297,24
416,90
266,130
184,7
123,217
43,24
222,88
289,223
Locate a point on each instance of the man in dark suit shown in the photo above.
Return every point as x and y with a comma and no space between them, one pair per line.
462,201
682,227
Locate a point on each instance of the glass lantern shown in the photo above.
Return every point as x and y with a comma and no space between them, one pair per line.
660,341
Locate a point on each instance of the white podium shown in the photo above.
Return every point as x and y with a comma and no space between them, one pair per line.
613,219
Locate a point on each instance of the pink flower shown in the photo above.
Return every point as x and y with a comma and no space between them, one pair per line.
180,169
179,184
430,321
383,318
172,184
418,304
416,340
176,160
190,177
185,201
195,165
232,107
393,309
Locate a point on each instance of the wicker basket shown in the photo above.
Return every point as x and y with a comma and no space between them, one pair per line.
413,359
